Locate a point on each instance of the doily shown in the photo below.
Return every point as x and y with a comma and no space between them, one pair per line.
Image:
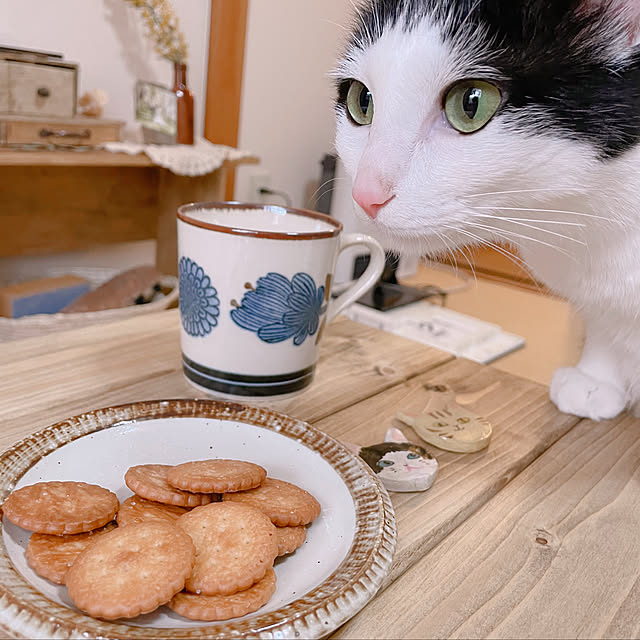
186,160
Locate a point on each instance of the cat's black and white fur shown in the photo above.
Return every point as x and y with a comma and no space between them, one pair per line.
555,172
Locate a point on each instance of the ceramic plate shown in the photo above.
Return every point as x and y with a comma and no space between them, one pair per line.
332,576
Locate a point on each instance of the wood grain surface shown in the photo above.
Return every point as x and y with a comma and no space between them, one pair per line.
139,359
556,554
534,537
525,424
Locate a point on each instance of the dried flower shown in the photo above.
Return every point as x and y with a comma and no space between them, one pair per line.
163,29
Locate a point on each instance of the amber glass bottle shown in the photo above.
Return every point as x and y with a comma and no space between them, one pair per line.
184,134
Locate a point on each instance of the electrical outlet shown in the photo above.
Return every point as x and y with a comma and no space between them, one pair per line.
257,181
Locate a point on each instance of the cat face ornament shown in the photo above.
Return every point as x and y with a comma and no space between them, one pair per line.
400,465
448,424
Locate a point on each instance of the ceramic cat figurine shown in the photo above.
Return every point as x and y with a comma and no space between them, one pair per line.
400,465
472,122
448,423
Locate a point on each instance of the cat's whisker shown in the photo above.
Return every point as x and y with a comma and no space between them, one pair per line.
512,234
539,220
517,261
335,24
313,197
500,193
469,15
449,251
464,255
534,227
573,213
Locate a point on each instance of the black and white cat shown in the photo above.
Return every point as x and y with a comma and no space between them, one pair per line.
477,121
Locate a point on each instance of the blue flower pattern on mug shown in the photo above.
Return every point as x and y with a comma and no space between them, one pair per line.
199,303
279,308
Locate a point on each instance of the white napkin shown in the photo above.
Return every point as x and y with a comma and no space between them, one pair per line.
186,160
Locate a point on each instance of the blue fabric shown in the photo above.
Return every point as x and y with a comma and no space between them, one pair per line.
47,301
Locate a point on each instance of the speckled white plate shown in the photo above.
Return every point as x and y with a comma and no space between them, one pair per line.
337,571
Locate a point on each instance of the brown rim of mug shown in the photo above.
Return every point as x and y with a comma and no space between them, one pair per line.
183,214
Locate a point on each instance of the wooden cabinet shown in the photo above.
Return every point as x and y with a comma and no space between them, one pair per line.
56,201
38,89
77,131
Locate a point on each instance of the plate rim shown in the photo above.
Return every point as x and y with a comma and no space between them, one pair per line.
317,613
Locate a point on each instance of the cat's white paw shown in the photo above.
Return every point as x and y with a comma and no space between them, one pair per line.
575,392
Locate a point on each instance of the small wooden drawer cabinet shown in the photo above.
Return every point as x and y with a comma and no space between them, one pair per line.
18,131
47,89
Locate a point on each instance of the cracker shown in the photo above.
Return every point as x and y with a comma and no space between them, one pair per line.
235,546
132,570
135,510
290,539
60,508
216,476
51,556
286,504
211,608
150,481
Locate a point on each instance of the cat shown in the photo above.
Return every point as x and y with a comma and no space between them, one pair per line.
472,122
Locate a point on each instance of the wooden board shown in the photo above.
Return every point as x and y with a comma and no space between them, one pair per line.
227,33
525,425
65,201
174,191
554,555
63,208
91,158
106,365
16,158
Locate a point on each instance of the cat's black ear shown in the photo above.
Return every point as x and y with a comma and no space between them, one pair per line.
626,10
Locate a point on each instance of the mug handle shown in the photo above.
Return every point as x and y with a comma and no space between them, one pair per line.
366,280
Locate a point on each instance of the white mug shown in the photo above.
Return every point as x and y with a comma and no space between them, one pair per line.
255,294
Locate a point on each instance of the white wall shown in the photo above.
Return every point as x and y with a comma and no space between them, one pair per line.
106,38
286,115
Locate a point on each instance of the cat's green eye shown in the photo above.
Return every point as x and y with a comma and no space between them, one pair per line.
359,103
412,456
471,104
386,463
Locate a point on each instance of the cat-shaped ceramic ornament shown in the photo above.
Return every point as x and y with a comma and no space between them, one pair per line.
447,424
400,465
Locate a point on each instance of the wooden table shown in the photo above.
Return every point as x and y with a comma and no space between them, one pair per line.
56,201
535,537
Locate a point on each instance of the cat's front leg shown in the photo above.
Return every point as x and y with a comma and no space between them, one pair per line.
594,388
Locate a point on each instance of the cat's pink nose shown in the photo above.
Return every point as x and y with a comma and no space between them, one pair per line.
371,194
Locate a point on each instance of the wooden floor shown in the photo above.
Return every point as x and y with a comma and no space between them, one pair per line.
552,331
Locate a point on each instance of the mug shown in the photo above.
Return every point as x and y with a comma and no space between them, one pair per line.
255,294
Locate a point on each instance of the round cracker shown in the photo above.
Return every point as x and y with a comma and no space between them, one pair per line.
235,546
286,504
61,508
216,476
290,539
130,571
150,481
211,608
135,510
51,556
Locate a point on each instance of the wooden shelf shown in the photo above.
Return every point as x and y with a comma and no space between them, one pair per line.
97,158
14,157
58,201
